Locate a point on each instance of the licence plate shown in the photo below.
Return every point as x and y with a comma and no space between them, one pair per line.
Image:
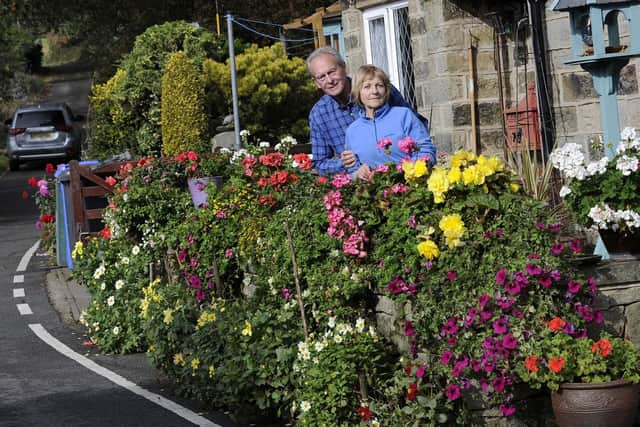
42,135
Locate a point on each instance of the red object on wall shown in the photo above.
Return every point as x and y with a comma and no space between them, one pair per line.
523,132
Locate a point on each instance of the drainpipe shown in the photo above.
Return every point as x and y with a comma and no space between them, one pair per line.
547,125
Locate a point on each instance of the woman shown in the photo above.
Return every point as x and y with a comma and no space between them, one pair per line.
383,134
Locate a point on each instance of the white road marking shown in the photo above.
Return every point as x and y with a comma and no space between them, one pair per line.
18,292
27,256
177,409
18,278
24,309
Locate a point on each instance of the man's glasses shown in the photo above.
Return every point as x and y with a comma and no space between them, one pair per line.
324,77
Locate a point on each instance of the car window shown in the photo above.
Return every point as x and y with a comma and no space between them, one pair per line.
40,118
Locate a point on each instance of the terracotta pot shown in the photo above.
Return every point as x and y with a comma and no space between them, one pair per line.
620,243
608,404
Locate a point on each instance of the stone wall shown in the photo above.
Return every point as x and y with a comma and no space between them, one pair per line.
442,32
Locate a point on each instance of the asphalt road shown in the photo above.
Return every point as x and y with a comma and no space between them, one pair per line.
47,376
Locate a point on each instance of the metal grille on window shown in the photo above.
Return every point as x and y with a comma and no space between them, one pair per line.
404,55
378,43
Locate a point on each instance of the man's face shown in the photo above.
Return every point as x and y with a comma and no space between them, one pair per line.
328,76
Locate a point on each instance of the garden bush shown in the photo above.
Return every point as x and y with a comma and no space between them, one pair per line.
271,298
184,123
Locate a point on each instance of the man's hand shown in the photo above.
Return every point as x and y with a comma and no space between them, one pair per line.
348,158
364,172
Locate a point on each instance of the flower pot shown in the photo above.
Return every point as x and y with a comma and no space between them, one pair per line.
610,404
197,188
620,242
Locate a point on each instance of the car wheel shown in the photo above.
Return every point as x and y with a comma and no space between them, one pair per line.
14,165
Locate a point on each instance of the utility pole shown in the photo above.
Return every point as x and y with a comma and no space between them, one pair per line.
234,83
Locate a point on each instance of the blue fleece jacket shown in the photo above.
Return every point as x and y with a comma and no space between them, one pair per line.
395,123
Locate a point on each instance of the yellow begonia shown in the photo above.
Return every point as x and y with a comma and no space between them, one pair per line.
168,316
515,187
247,329
454,176
438,184
413,170
144,308
428,249
77,250
473,175
453,229
462,158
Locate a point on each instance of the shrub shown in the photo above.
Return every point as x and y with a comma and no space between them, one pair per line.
184,124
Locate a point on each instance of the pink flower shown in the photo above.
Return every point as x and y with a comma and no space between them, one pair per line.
286,294
573,287
407,145
384,143
575,246
446,357
483,300
500,325
451,275
498,384
507,410
340,180
420,371
509,341
501,277
557,248
228,253
411,222
408,329
533,270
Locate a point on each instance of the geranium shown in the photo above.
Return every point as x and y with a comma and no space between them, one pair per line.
605,193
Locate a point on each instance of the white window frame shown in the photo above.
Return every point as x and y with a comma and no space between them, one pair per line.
385,12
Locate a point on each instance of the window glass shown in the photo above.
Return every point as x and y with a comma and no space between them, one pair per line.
40,118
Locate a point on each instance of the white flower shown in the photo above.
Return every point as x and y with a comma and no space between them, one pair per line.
565,191
264,144
627,164
289,140
103,286
111,300
360,325
99,271
332,322
598,167
320,345
119,284
628,133
116,330
338,339
305,406
124,260
372,332
135,250
244,133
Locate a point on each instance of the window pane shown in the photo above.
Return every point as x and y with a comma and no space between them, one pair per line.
405,54
378,44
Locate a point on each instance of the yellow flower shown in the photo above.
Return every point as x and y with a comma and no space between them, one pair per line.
420,168
438,184
205,317
168,316
195,363
77,250
212,371
454,175
428,249
473,175
461,158
144,308
247,329
453,229
515,187
178,359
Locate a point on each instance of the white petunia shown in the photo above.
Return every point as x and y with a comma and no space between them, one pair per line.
99,271
305,406
119,284
124,260
565,191
135,250
111,300
360,325
332,322
265,144
103,286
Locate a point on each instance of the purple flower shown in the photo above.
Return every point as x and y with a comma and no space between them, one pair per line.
412,221
575,246
500,325
200,295
286,294
573,287
484,384
545,280
540,225
452,341
228,253
499,233
452,392
193,262
557,248
195,282
505,303
446,357
485,315
471,317
501,277
483,300
555,227
408,329
513,288
498,384
182,255
534,256
451,275
420,371
533,270
509,341
507,410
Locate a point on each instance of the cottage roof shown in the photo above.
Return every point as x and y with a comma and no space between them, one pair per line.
572,4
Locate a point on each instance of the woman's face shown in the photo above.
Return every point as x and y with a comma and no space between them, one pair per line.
372,93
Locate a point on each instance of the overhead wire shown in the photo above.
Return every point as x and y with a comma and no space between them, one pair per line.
269,36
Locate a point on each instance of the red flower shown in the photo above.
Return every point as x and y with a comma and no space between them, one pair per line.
556,364
365,413
412,391
33,182
407,369
267,200
303,161
49,169
262,182
105,233
322,180
604,346
556,324
46,218
273,159
110,180
25,194
531,363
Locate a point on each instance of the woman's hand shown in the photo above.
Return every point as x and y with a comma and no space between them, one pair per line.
348,159
364,173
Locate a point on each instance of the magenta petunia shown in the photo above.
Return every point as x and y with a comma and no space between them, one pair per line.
575,246
557,248
445,357
485,315
509,341
573,286
452,392
555,227
501,277
513,288
507,410
483,300
452,275
500,325
545,280
408,329
420,371
533,270
498,384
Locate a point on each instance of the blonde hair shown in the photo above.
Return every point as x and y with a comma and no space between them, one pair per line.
368,72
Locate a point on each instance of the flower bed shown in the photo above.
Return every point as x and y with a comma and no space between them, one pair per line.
271,300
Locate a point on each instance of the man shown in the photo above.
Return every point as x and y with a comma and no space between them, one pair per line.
335,111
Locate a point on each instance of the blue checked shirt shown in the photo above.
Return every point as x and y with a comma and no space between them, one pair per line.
328,121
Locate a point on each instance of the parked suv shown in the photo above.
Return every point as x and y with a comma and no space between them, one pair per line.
43,132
